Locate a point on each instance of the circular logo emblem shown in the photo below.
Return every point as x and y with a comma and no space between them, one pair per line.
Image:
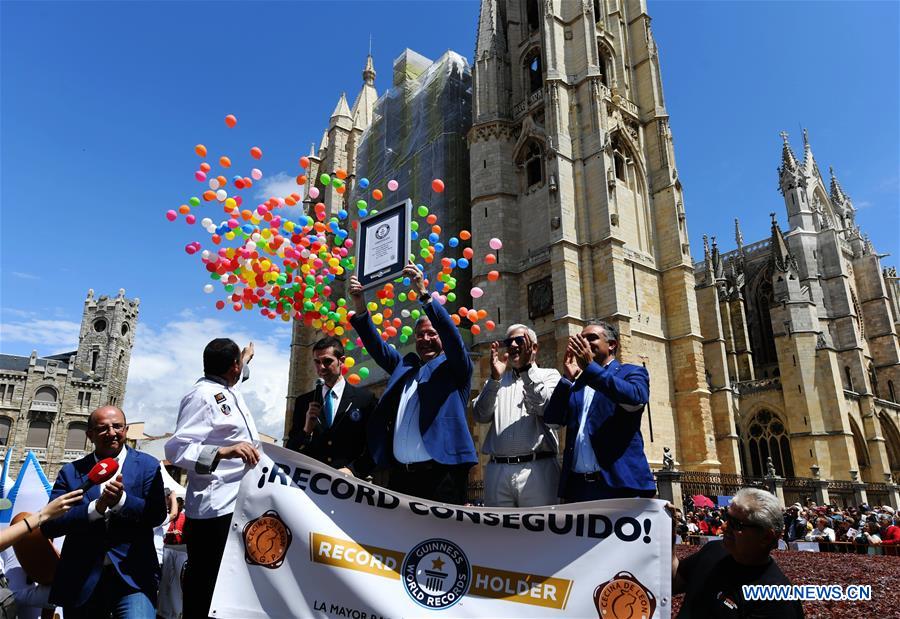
355,415
382,231
266,540
624,597
436,574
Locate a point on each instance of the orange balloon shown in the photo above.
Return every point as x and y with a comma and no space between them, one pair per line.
341,189
455,318
256,152
376,194
209,195
493,276
437,185
231,121
200,149
468,253
463,311
301,180
222,180
353,379
431,219
476,329
436,229
490,259
482,314
491,325
465,235
184,209
341,174
225,162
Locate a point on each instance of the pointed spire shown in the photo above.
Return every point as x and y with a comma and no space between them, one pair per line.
706,253
369,72
490,32
323,145
789,175
708,271
718,268
738,235
342,110
781,255
838,196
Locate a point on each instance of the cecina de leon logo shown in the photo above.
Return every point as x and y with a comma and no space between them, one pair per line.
266,540
624,597
436,574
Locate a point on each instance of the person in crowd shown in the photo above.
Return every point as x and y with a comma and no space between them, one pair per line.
871,534
822,532
600,401
712,578
794,524
329,422
216,442
845,531
418,430
693,527
54,509
175,532
890,531
523,469
108,562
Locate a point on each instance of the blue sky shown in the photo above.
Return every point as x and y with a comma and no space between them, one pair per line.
103,102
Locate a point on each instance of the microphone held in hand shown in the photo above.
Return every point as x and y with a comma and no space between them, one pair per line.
317,393
100,472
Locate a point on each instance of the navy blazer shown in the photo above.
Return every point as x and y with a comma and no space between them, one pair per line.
126,537
444,385
613,423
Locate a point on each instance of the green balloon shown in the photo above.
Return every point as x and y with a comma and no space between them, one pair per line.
363,372
414,225
194,201
422,211
402,297
325,179
424,253
404,339
415,314
451,296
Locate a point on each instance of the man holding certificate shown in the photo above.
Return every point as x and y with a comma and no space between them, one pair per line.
418,429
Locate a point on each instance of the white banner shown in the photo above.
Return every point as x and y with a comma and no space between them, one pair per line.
307,541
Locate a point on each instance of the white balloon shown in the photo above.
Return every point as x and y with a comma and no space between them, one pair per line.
206,222
213,184
221,195
208,288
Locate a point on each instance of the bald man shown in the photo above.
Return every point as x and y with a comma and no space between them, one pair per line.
109,562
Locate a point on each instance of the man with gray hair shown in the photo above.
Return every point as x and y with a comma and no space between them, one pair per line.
713,578
523,470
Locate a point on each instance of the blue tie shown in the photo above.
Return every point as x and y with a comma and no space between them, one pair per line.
329,408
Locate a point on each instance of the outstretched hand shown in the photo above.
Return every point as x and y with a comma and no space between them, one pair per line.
571,368
499,360
355,290
412,272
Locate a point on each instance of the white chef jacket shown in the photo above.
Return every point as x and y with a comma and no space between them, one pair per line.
211,416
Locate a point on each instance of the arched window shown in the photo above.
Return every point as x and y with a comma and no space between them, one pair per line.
532,15
891,393
534,71
766,436
891,441
5,426
859,444
76,437
38,434
603,59
532,161
45,394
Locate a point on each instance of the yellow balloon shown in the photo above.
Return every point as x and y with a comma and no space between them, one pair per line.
377,319
372,306
266,233
229,235
230,203
288,226
317,323
285,317
349,361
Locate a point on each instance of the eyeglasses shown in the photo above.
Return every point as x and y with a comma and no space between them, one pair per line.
116,427
739,525
518,340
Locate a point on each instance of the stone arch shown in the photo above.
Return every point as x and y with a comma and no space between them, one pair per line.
606,60
532,17
532,70
76,436
759,297
764,433
5,430
891,434
629,170
46,393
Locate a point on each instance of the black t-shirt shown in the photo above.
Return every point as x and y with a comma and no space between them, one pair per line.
714,581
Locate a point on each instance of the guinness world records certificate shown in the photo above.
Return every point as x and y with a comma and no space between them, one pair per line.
383,246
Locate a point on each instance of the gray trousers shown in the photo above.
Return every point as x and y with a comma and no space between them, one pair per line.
529,484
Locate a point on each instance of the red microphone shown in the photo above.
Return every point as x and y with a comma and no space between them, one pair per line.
100,472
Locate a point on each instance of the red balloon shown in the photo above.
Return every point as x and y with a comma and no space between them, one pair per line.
231,121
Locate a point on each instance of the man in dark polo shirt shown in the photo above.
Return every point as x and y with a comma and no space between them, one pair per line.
713,578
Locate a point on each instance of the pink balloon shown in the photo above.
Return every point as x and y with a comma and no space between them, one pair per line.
392,185
190,219
495,243
256,174
200,175
171,215
313,192
477,292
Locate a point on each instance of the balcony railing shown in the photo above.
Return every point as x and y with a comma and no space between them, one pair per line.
44,406
752,386
533,99
39,452
73,454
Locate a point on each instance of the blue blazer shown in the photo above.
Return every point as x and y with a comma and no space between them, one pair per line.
125,537
444,385
613,423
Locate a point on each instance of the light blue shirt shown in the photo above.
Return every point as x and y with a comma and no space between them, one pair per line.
408,444
585,460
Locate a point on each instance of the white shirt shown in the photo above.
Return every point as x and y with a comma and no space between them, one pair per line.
211,416
514,406
408,444
336,393
93,514
585,459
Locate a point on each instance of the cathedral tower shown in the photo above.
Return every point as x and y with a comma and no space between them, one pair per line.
572,167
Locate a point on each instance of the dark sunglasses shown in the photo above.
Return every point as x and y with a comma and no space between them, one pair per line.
519,340
739,525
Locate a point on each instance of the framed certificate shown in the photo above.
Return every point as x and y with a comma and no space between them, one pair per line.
382,248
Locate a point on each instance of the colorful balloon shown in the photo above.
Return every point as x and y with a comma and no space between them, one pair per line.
200,149
256,174
393,185
495,244
437,185
231,121
256,152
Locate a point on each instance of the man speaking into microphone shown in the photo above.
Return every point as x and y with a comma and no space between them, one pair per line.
330,421
108,560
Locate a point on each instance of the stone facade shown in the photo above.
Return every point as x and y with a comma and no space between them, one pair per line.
45,401
800,338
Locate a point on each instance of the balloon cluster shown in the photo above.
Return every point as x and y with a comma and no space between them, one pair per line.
286,267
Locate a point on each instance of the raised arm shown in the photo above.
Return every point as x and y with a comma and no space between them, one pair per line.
454,347
75,517
539,386
385,356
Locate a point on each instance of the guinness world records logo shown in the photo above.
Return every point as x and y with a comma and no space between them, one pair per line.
436,574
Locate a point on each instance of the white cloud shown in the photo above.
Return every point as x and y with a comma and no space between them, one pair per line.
281,185
166,362
45,336
22,275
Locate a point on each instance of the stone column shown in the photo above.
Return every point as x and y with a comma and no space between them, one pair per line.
893,492
859,489
821,486
668,486
775,485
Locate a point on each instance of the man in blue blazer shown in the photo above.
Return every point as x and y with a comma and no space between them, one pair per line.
109,562
418,429
600,402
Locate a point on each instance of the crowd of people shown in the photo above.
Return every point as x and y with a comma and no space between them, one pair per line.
415,436
864,525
